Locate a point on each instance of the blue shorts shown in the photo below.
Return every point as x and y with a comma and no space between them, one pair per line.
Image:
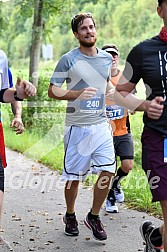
88,148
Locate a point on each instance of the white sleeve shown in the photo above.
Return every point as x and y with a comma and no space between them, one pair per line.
4,79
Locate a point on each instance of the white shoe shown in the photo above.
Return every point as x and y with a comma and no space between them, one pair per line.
111,207
119,194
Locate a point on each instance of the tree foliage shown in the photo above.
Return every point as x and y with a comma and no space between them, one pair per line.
124,22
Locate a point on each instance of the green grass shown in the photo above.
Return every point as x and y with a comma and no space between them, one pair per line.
138,195
36,147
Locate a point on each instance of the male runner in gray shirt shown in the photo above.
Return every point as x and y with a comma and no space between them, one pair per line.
88,141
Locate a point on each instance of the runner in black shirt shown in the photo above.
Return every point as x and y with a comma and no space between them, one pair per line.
148,61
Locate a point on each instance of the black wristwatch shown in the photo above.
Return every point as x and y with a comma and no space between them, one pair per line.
17,98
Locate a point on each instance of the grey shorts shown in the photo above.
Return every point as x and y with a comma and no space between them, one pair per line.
88,148
124,146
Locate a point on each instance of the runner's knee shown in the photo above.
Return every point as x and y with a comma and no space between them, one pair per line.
127,166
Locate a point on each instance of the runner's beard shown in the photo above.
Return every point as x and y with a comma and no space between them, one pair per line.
87,44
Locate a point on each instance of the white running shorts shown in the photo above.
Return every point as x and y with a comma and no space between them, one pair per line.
88,148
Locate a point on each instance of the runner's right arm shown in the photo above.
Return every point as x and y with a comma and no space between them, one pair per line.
61,94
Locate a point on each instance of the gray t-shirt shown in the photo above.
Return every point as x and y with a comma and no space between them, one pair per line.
80,71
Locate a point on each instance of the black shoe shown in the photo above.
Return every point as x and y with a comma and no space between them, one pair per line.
96,227
146,229
71,228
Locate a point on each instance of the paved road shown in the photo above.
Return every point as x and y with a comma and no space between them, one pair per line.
33,210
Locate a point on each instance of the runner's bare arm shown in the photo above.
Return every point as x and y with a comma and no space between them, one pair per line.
61,94
110,91
124,96
17,122
24,89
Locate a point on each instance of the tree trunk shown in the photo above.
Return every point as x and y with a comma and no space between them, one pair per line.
36,42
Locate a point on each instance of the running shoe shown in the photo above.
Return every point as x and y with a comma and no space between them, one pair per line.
111,206
96,227
71,227
119,194
146,229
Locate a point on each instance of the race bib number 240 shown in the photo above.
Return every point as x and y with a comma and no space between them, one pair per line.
93,105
